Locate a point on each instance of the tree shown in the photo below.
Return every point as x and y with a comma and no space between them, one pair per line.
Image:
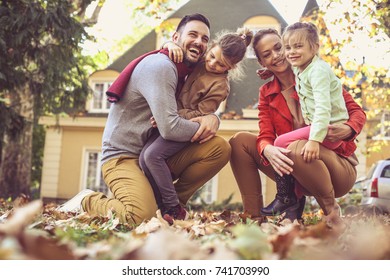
42,70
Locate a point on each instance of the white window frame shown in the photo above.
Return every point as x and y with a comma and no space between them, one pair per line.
98,176
209,191
103,109
384,131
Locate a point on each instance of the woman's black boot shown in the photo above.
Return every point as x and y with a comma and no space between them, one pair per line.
285,198
296,214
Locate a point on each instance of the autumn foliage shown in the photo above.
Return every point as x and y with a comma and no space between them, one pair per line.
31,230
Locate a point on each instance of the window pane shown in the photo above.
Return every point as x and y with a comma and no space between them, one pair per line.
386,172
108,104
94,180
91,171
98,94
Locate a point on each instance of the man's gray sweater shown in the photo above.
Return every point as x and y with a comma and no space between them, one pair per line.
150,92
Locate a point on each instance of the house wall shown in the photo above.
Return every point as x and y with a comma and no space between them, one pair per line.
51,162
75,140
65,143
63,156
65,146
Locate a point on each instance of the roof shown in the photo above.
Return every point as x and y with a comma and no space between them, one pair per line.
311,6
223,14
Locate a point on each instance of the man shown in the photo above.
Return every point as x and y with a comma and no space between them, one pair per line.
151,92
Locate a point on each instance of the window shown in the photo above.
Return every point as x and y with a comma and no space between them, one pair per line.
386,172
384,128
93,176
99,103
208,193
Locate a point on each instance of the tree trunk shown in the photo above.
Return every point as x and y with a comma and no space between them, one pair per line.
15,171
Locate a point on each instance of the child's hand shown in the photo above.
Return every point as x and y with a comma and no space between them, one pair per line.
175,52
264,73
153,122
311,151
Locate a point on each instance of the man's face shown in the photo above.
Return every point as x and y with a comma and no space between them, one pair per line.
193,39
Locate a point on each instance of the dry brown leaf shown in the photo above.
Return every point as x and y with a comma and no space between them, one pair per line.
165,244
281,242
43,248
20,201
368,241
21,217
147,227
321,230
215,227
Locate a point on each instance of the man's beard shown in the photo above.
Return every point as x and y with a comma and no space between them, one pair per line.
188,61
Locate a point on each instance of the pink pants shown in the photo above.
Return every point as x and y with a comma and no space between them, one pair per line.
302,134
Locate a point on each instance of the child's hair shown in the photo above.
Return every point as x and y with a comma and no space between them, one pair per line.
259,35
233,47
302,31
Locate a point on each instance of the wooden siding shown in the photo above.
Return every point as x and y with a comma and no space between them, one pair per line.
51,162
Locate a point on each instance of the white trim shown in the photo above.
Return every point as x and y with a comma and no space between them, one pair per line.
210,188
84,167
106,84
51,162
214,188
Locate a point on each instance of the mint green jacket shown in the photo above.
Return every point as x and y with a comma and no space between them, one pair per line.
320,97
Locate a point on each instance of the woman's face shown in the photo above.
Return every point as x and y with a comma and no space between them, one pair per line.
269,49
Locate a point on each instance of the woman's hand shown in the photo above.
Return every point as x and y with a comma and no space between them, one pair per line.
278,159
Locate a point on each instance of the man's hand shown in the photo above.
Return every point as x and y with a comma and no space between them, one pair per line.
208,128
338,132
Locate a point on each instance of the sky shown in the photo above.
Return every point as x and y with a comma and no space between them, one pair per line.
116,14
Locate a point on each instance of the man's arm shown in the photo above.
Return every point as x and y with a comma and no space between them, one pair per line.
157,81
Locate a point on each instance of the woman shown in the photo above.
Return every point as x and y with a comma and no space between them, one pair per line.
327,178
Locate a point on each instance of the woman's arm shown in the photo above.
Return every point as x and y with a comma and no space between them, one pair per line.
270,154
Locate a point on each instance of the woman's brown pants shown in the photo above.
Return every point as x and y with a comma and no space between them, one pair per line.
329,177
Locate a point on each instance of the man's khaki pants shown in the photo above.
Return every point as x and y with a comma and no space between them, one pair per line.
133,199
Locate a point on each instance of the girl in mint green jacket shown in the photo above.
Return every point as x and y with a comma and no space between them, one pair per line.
319,90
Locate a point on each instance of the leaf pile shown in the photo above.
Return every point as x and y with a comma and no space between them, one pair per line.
31,230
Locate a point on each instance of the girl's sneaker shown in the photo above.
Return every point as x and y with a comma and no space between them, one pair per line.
177,212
